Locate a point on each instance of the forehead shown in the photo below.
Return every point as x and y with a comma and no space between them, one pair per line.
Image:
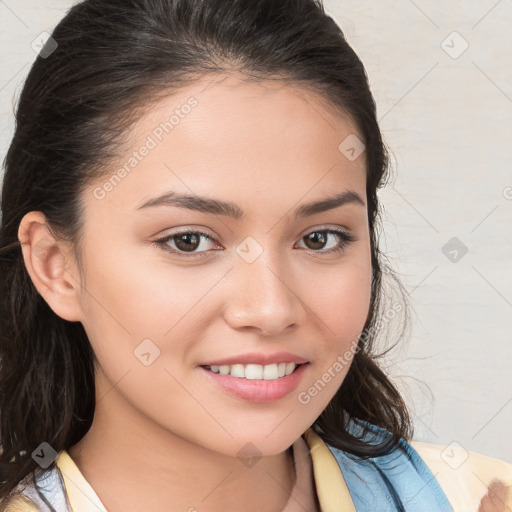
239,140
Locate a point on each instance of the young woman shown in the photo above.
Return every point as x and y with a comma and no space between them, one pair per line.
192,287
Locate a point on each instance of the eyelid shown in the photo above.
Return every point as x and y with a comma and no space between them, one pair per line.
208,233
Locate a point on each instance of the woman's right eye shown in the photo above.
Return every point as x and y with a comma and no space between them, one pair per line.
185,243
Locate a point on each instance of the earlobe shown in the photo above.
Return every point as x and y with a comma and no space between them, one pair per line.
48,264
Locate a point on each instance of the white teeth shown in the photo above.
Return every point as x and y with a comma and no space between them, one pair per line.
253,371
237,370
270,372
256,371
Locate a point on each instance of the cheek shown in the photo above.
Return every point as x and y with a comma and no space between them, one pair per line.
340,305
350,305
341,301
128,302
123,290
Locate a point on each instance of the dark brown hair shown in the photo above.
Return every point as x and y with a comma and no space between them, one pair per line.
112,58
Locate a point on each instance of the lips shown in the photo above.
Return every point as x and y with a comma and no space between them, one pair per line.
258,358
257,390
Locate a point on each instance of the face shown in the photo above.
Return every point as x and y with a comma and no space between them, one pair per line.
230,269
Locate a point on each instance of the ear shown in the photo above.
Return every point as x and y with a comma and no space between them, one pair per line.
50,266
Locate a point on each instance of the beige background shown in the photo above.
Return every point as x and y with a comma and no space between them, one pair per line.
447,116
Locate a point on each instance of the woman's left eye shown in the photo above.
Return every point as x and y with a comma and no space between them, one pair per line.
344,239
187,243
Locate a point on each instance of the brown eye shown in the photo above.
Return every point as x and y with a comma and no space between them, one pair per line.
317,240
187,242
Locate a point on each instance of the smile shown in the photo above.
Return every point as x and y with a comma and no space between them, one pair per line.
255,371
257,383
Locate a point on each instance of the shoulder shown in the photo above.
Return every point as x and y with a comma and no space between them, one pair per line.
397,480
20,503
26,498
423,476
468,477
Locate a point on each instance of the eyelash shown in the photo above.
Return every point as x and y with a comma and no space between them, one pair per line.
161,243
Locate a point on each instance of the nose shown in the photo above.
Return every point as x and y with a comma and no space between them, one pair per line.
262,298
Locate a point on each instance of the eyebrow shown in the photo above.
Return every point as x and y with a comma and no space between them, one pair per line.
217,207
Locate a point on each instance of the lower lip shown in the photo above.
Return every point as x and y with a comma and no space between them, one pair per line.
259,390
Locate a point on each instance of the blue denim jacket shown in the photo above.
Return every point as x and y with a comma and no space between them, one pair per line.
398,481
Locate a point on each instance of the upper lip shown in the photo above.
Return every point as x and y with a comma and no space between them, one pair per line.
258,358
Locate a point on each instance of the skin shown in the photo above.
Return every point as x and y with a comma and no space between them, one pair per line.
165,433
494,500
